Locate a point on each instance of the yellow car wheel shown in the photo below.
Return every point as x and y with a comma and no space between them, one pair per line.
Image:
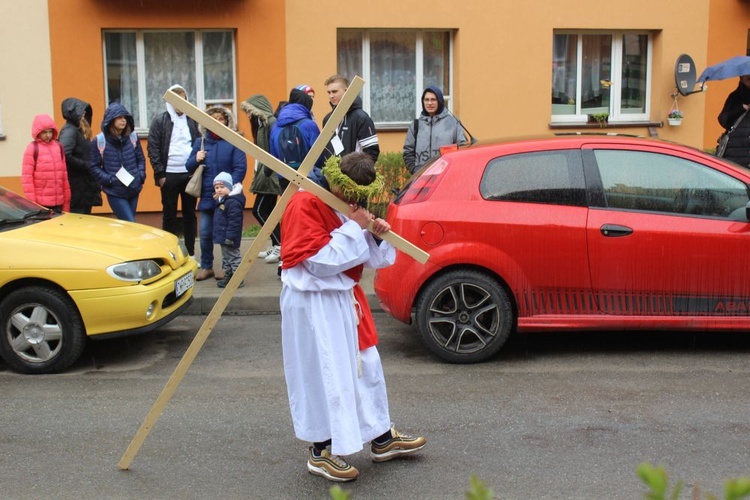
42,331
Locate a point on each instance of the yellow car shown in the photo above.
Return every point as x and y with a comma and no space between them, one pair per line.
66,277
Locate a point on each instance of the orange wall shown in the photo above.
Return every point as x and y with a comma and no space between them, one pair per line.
77,60
727,37
503,53
501,59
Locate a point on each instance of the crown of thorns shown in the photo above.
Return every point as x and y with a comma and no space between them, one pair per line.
350,189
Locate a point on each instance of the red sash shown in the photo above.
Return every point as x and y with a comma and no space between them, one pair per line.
306,227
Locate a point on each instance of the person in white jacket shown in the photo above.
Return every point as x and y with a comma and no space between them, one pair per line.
334,376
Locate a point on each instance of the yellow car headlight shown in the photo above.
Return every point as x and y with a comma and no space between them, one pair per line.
137,270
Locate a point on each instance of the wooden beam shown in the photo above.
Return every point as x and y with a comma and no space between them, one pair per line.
299,178
249,258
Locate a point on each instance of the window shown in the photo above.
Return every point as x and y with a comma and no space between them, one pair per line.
552,177
601,73
637,180
141,65
396,67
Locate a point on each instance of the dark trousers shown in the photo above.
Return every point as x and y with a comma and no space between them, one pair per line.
262,208
83,209
172,191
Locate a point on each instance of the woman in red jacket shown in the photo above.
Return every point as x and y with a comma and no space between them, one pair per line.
44,176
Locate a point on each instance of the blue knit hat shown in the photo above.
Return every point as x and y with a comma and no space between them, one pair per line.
225,179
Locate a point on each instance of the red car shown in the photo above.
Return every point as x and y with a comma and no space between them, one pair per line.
569,233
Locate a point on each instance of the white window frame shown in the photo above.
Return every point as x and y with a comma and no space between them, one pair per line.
615,114
200,101
418,68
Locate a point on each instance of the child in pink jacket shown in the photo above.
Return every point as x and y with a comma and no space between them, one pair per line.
44,176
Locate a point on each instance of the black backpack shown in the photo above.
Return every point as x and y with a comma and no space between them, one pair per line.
291,145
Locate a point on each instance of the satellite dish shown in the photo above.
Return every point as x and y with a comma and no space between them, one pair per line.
684,75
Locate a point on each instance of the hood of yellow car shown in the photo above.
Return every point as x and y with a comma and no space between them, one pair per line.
85,242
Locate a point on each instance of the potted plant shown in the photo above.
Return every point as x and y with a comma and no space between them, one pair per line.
600,118
675,117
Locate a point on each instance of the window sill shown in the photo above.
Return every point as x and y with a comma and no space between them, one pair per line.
606,125
392,127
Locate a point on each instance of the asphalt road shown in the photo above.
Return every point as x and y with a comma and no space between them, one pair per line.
554,416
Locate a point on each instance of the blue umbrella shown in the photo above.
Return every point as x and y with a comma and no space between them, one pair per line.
736,66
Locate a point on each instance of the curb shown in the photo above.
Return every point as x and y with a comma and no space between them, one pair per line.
260,295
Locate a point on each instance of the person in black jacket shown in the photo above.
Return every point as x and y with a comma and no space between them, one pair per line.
170,140
75,138
356,132
736,104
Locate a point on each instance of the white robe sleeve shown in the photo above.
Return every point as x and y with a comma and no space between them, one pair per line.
382,255
349,247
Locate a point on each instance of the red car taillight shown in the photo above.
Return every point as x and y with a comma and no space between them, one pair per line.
421,188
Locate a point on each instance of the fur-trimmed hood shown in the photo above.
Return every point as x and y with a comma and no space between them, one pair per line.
258,106
231,123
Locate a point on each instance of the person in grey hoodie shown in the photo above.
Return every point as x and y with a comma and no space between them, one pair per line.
435,127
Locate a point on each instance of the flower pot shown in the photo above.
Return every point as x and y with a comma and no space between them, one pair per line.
675,122
600,118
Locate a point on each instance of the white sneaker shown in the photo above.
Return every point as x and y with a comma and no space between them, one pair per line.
273,256
265,253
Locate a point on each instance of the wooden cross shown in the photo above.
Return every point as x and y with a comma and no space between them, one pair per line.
297,179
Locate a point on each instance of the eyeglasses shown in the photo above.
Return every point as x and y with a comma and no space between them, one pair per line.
429,99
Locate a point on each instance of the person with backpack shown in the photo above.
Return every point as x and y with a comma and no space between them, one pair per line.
292,136
434,127
294,132
217,155
44,176
75,136
117,161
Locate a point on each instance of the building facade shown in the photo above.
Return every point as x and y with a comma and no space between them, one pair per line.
502,74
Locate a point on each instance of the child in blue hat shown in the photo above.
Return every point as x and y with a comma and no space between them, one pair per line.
228,215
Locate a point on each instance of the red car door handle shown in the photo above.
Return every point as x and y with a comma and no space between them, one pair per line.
614,230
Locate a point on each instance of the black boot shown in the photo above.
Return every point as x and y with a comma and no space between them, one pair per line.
222,283
228,276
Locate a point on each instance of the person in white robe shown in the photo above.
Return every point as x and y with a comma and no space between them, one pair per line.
335,382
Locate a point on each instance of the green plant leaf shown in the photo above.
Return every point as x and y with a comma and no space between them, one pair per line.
478,490
251,232
655,478
337,493
735,489
677,490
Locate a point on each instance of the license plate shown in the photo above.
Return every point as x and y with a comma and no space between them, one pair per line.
184,284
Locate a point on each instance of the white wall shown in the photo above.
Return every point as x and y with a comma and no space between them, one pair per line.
25,77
